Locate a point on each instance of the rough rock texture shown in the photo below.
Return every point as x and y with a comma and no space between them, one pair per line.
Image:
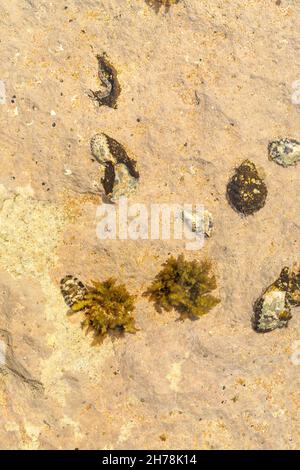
204,87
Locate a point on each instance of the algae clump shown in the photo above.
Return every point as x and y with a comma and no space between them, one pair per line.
107,306
185,286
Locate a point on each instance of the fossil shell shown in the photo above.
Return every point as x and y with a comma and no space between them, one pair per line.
246,191
285,152
271,310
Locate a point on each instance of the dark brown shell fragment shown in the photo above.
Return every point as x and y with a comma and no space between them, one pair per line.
111,88
246,191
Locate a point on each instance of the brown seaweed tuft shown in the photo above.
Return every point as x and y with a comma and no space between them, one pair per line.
185,286
106,305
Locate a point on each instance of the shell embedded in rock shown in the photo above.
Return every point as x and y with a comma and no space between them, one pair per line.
273,309
246,191
108,77
120,177
285,152
200,224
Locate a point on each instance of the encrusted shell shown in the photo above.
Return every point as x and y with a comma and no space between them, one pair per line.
246,191
124,183
271,310
101,150
290,278
120,177
285,152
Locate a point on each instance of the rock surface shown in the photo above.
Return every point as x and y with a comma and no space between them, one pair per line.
204,86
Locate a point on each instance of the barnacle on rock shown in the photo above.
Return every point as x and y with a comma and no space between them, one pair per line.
108,77
285,152
185,286
121,176
246,191
105,305
273,309
157,4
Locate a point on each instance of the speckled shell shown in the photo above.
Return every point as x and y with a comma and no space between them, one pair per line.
285,152
72,289
290,278
246,191
101,150
271,310
106,149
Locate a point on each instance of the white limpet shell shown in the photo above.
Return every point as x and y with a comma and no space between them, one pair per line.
100,149
285,152
124,184
200,223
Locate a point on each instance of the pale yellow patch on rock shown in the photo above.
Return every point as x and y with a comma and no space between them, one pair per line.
174,376
125,432
29,233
